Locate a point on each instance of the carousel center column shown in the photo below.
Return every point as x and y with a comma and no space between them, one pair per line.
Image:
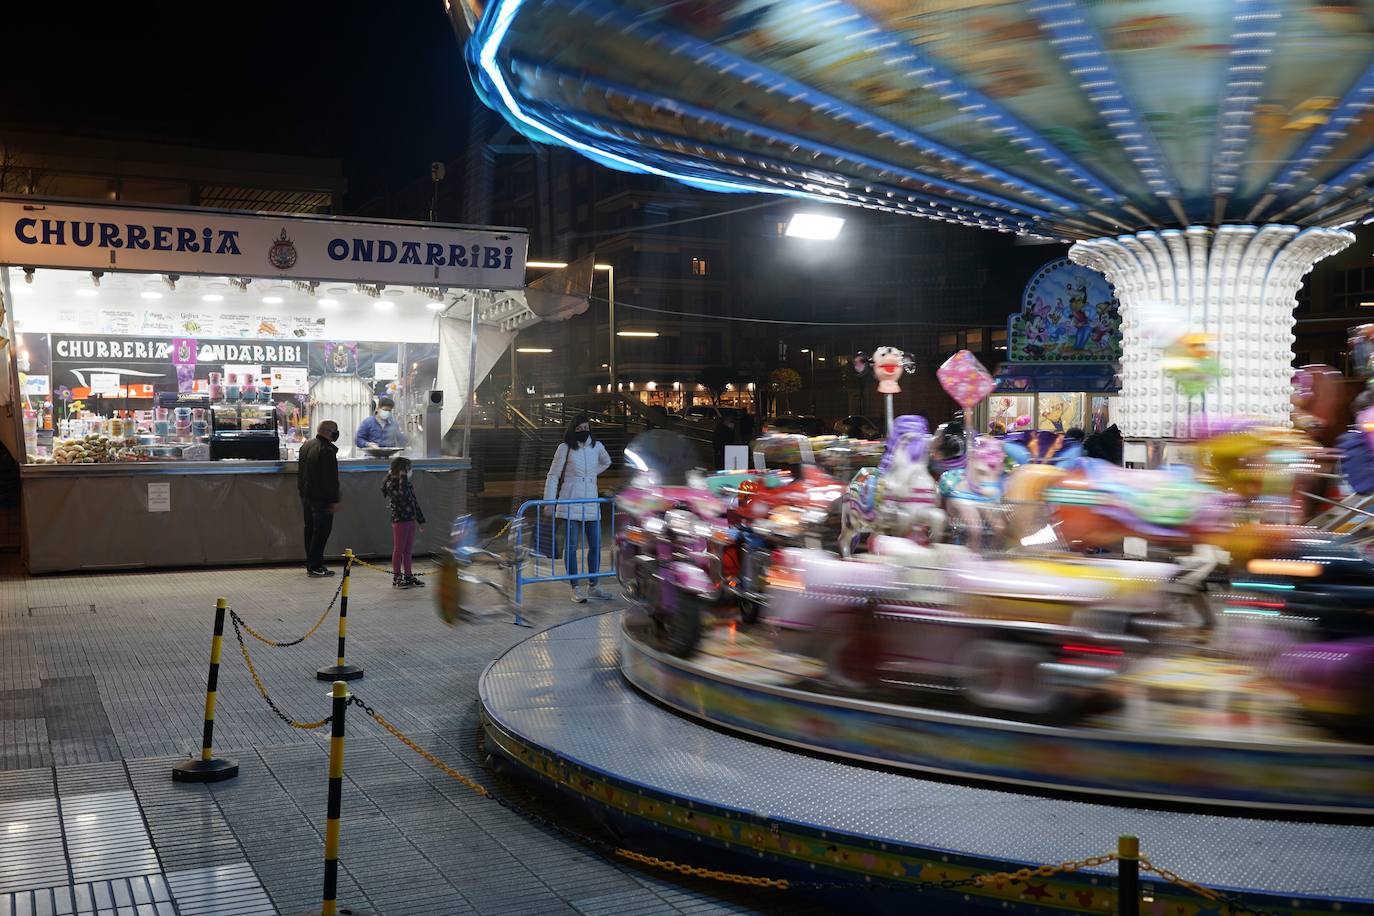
1237,283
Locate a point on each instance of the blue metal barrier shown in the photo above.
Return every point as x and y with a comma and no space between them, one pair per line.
546,541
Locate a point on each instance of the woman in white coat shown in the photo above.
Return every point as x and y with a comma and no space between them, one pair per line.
576,465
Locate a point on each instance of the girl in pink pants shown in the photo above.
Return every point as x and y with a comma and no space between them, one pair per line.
406,517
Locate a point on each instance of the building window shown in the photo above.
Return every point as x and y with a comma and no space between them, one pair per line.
999,340
973,338
699,268
949,341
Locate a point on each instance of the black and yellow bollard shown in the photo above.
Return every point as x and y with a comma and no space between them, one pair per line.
1127,876
209,768
330,905
341,670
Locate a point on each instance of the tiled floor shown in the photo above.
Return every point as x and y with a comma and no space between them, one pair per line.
102,682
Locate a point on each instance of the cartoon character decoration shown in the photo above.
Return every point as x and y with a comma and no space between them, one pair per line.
1068,313
1041,448
888,365
973,494
896,498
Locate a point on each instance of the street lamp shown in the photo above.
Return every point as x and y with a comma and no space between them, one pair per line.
610,300
815,226
812,354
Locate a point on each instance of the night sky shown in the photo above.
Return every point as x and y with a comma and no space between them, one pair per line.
381,86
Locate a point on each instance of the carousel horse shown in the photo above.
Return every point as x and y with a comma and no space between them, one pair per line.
973,493
896,498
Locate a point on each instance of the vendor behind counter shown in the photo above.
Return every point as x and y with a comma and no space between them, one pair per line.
380,430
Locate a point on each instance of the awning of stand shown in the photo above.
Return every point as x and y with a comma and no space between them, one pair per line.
1029,378
562,293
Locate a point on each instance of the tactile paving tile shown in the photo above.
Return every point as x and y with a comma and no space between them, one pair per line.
31,845
220,890
106,837
145,895
589,718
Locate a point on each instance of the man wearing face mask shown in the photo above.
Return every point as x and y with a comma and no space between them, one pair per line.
381,429
317,478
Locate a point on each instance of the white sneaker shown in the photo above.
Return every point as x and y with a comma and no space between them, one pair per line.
579,596
599,593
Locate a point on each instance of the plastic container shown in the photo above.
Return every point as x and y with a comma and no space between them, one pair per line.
161,428
116,428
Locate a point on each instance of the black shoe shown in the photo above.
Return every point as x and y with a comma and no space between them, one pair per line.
321,572
399,582
413,582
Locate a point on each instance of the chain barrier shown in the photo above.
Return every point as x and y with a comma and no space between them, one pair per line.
309,633
1235,905
248,660
382,569
1042,871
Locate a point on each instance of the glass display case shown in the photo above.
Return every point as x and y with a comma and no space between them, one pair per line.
245,429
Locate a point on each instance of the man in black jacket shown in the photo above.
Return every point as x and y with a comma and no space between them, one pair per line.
317,477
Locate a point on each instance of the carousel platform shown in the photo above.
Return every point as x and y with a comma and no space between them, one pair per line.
558,707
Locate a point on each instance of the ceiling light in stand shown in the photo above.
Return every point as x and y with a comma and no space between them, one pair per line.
212,297
434,306
88,293
151,294
328,303
271,300
384,305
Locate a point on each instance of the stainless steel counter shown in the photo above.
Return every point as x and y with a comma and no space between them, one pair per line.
104,516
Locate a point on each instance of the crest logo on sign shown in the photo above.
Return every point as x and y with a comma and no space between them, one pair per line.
282,254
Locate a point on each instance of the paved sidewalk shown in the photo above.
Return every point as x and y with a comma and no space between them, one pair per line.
102,682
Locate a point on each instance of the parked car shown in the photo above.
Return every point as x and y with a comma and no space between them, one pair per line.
794,426
857,427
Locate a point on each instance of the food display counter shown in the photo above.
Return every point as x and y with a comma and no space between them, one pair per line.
199,513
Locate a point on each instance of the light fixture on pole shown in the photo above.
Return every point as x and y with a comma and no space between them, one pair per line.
815,226
636,333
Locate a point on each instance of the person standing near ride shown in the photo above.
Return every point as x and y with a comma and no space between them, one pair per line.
576,465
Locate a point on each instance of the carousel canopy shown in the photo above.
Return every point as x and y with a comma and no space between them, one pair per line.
1064,119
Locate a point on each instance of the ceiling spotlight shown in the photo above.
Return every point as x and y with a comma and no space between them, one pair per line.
95,277
28,274
384,305
151,294
171,281
328,303
271,300
212,297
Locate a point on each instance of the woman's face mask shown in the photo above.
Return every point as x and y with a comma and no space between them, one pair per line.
583,435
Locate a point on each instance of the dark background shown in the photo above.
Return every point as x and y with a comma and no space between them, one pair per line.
381,86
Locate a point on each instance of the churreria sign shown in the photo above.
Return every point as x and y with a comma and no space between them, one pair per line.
36,233
85,233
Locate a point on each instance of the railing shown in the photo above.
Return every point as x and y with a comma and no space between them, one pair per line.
543,543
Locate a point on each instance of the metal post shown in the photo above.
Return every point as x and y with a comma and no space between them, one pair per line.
472,379
209,768
1128,876
812,355
341,670
610,321
330,904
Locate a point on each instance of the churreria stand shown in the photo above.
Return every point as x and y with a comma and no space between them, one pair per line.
557,708
145,342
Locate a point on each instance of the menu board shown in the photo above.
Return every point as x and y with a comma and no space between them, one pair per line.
290,380
239,325
195,324
118,321
159,323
